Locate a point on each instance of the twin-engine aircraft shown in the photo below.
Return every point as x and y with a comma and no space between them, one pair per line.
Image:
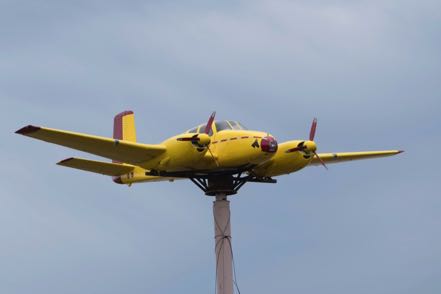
216,154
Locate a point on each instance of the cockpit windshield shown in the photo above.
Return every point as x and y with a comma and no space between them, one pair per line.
236,125
220,126
200,129
229,125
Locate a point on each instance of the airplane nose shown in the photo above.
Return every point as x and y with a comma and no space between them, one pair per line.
269,144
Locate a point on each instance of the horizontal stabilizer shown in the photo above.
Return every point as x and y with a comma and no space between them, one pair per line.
119,150
349,156
104,168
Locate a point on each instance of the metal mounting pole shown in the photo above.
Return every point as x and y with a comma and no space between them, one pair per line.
222,229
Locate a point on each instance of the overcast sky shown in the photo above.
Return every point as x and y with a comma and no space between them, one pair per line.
369,70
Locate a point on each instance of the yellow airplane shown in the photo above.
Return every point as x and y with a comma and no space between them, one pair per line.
219,156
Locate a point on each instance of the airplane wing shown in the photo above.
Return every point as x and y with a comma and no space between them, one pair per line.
119,150
349,156
104,168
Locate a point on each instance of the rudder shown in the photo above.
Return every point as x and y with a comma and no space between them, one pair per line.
124,126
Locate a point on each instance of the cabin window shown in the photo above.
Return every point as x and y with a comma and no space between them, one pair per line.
241,126
193,130
235,125
222,125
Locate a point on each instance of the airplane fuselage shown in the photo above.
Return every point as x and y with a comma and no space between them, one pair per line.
229,149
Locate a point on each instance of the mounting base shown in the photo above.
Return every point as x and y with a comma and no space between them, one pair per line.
222,185
226,184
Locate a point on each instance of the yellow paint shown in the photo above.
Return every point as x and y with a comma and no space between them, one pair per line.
128,127
229,147
282,162
104,168
138,176
224,149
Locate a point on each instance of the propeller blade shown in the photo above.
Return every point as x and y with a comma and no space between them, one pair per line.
194,138
295,149
301,146
210,123
212,156
321,160
313,129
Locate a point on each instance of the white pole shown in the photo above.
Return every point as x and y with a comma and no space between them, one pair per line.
222,229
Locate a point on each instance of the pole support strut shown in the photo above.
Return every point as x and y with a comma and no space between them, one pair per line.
224,258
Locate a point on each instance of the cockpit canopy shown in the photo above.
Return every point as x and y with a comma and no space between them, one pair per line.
219,126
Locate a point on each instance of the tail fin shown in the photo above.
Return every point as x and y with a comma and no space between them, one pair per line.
124,126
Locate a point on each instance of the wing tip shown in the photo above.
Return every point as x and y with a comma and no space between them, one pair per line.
400,151
27,130
64,161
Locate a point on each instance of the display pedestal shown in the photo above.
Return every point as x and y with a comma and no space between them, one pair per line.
224,258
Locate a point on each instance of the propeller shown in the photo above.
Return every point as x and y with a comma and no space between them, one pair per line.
203,140
208,129
209,125
321,160
313,129
300,147
309,147
193,139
